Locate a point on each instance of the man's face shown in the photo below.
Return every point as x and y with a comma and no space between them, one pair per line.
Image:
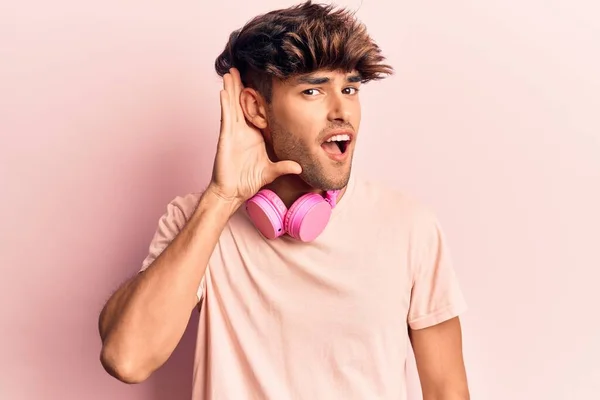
314,120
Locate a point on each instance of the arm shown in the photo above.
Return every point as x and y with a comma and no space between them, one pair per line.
439,359
435,304
144,320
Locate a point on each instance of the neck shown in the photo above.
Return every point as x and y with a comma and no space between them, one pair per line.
290,187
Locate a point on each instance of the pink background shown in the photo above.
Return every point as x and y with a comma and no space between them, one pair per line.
110,109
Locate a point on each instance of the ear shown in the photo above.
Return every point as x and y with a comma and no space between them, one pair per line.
253,106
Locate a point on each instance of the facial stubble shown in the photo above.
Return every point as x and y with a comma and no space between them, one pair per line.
285,145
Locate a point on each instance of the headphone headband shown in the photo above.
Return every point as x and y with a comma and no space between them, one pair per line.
331,197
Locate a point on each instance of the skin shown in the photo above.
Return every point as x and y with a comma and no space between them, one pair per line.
440,363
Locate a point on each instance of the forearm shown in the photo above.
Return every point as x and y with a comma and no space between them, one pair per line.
448,397
144,320
449,393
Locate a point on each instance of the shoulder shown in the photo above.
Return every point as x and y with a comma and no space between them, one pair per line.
396,213
180,209
378,197
186,203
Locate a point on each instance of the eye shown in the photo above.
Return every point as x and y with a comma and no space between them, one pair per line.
310,92
350,90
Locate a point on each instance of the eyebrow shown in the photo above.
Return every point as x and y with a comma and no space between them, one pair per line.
315,80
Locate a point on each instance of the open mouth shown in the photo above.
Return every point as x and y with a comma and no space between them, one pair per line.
336,145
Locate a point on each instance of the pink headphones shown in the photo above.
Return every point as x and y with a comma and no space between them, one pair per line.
305,220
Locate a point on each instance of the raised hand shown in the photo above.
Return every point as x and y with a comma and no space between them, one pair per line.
242,166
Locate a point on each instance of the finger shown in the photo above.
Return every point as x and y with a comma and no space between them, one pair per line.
238,86
229,85
280,168
225,112
237,76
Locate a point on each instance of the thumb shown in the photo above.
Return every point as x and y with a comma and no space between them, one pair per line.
279,168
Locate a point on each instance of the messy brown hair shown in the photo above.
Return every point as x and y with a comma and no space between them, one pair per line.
298,40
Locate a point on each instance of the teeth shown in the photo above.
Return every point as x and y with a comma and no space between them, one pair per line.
339,138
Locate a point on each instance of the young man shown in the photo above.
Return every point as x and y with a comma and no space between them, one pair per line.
311,283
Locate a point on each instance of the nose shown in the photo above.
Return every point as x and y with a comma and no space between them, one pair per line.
338,109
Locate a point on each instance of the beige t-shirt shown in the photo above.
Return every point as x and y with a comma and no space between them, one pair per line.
326,320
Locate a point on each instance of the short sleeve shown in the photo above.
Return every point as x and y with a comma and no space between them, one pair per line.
436,295
170,224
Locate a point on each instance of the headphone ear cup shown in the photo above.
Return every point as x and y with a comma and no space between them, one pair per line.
307,217
267,212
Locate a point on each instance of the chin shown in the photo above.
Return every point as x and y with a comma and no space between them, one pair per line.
327,177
